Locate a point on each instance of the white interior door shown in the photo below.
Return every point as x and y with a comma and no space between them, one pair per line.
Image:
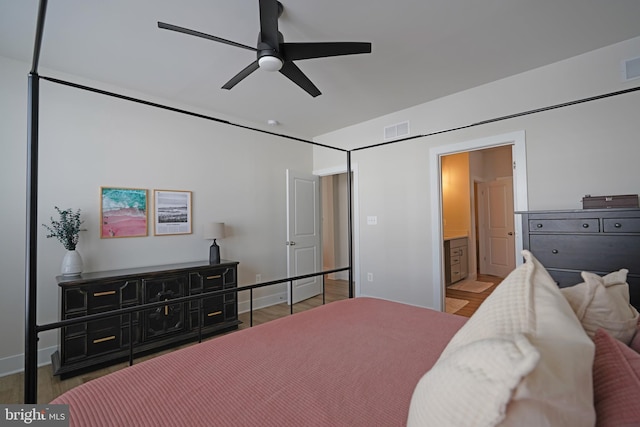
497,236
304,245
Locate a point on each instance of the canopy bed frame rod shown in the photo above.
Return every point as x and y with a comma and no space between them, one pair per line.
179,110
510,116
179,300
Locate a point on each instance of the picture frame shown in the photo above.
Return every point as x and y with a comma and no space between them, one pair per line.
172,212
123,212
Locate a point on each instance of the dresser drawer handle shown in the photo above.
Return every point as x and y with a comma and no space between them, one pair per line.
214,277
539,225
585,225
215,313
103,294
99,340
617,225
554,251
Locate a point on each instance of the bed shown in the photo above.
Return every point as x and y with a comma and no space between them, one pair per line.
526,357
297,370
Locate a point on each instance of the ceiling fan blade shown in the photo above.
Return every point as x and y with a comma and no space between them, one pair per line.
171,27
297,51
241,75
269,12
296,75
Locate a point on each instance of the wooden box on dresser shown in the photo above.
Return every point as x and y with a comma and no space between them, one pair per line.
568,242
98,343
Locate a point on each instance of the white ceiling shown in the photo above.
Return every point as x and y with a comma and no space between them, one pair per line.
422,50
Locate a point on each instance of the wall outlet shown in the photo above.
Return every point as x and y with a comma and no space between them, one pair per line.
369,277
258,278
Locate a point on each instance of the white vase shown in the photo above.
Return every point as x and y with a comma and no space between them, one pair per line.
71,264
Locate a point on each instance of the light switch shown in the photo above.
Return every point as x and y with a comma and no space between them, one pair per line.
372,220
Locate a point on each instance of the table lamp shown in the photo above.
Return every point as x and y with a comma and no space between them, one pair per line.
213,231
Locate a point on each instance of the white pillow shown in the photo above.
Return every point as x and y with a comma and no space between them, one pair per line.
481,377
603,302
557,391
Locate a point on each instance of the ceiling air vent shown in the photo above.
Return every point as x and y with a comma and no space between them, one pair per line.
396,131
631,69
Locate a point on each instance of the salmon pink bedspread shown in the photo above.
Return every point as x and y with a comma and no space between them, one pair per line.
348,363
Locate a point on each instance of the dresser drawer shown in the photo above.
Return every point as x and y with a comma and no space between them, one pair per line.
459,242
455,273
213,311
99,337
586,252
111,295
213,280
573,225
621,225
103,340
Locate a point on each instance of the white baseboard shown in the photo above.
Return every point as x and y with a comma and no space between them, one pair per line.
14,364
262,302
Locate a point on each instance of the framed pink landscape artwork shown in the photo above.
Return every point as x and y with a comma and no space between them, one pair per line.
123,212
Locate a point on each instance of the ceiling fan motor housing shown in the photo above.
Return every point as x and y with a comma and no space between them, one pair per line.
269,59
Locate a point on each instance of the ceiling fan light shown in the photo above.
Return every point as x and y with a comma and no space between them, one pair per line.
270,63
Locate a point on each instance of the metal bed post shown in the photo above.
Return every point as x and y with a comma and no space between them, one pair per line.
291,296
30,327
251,307
31,335
350,223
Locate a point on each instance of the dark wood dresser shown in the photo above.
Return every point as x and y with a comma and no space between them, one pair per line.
98,343
597,240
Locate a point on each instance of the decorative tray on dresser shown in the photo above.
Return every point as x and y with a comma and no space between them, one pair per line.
98,343
568,242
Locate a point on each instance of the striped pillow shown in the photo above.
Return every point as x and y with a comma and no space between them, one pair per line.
616,382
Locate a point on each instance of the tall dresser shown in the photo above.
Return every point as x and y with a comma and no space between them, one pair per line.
98,343
568,242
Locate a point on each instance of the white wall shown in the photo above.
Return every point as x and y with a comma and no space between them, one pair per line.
588,148
87,140
13,140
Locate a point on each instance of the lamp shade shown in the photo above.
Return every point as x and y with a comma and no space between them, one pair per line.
214,230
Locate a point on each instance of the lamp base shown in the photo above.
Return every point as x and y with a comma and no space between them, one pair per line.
214,253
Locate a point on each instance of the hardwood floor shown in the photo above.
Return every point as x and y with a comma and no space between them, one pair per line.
49,386
475,299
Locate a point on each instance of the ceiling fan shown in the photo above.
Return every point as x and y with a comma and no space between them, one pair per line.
273,54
